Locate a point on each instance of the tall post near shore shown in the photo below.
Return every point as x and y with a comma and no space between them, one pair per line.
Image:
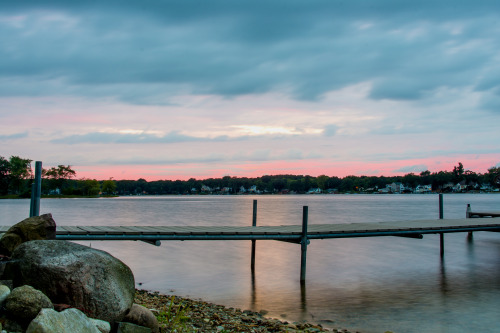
254,224
441,235
303,244
36,190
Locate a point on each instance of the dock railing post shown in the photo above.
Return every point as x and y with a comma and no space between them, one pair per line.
441,235
254,224
303,244
36,190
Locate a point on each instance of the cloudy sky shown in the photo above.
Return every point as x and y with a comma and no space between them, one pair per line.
179,89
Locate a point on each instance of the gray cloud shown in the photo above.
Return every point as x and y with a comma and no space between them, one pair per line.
141,138
412,168
13,136
330,130
146,52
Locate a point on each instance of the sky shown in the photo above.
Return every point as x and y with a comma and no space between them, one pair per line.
196,89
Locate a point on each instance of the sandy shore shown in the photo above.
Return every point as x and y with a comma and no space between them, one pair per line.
186,315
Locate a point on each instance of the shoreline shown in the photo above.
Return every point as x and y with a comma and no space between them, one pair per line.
187,315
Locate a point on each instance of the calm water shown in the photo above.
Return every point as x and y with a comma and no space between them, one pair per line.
365,284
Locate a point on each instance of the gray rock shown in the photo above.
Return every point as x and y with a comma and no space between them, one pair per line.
32,228
142,316
69,321
102,326
24,303
132,328
68,273
4,292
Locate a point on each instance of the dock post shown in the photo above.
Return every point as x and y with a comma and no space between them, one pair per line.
303,244
441,235
254,224
36,190
467,216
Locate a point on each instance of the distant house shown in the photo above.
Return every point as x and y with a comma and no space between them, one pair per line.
253,190
385,190
460,187
205,189
486,187
57,191
314,191
226,190
423,189
242,189
397,187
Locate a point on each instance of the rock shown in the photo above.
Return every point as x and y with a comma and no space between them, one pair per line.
131,328
68,321
24,303
102,326
68,273
4,292
32,228
142,316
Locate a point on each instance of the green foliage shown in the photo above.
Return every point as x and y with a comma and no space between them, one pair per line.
91,187
4,176
16,174
20,170
175,318
108,186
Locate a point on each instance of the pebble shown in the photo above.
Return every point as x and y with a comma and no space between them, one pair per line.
211,318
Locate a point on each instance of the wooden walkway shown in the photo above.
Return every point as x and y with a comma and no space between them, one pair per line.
283,232
300,234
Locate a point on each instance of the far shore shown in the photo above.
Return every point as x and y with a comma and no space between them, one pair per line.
62,196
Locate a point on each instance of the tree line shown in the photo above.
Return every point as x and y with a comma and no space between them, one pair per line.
16,176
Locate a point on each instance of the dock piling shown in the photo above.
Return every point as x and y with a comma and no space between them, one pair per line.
36,190
303,244
441,235
467,216
254,224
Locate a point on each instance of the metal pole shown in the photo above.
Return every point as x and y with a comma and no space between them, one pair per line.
303,244
254,224
36,190
441,235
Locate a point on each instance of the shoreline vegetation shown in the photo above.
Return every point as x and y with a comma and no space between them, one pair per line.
181,314
61,196
17,176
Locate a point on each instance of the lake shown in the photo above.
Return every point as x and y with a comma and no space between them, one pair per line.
365,284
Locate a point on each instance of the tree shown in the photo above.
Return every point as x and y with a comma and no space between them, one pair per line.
4,175
458,172
59,175
20,169
91,187
108,186
493,176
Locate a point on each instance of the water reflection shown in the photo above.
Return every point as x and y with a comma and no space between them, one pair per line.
370,285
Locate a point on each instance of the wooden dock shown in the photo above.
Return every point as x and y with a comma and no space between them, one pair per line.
284,232
300,234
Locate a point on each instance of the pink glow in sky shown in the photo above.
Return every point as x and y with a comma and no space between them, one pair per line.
165,92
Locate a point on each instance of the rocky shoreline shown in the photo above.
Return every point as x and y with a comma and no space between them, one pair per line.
180,314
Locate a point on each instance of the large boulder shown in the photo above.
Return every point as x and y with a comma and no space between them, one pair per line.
32,228
68,321
24,303
68,273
